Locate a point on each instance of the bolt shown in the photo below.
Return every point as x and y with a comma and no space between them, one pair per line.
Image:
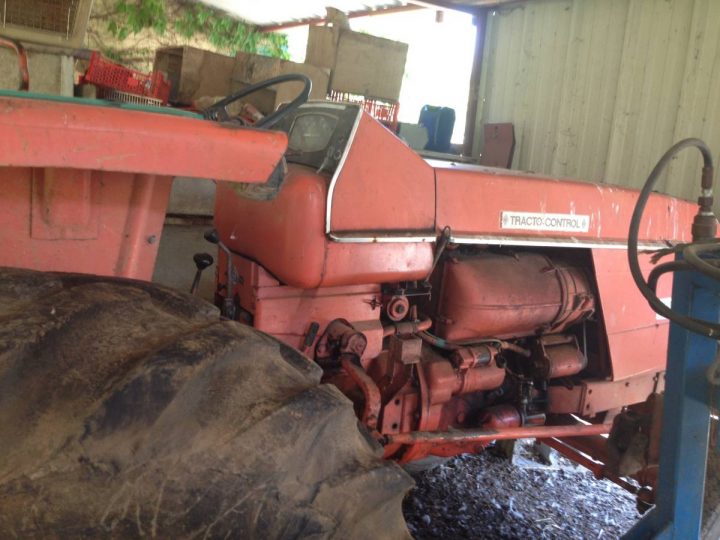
151,239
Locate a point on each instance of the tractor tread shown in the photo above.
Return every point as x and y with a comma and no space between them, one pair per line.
128,409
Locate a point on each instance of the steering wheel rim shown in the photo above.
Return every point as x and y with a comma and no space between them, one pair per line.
218,111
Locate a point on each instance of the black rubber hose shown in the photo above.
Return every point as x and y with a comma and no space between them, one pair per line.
680,266
662,269
705,328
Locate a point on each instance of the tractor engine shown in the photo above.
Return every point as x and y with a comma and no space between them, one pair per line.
479,353
453,304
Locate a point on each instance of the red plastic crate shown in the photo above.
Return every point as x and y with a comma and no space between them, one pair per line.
386,112
107,74
383,110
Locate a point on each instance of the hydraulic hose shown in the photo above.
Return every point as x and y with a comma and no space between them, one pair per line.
441,343
702,226
665,268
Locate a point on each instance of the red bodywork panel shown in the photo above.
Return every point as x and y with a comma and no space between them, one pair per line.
85,187
382,186
637,336
287,236
73,220
40,133
471,200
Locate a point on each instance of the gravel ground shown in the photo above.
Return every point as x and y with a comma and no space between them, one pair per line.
486,496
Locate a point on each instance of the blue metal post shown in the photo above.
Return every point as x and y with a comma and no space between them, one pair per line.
686,417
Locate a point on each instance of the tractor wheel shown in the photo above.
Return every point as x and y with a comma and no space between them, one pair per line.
128,409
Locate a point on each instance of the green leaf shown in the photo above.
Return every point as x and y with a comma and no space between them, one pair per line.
188,21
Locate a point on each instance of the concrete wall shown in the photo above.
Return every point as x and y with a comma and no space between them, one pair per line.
49,73
192,197
599,89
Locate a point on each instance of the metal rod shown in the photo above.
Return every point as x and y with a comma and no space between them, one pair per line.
487,435
596,467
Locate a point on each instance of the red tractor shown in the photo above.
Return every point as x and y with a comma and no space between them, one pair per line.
438,306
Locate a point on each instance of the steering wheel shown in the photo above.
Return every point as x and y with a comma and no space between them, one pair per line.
218,111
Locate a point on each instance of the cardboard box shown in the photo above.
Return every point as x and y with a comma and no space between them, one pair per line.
196,73
360,64
253,68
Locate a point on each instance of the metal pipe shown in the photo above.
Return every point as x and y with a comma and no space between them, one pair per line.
596,447
371,412
596,467
487,435
407,327
441,343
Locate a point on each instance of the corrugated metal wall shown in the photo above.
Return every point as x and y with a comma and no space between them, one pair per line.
598,89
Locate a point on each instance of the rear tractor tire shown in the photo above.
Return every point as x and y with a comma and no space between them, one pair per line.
128,410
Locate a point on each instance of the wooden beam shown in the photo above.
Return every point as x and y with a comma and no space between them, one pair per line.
494,3
449,5
351,15
475,74
466,6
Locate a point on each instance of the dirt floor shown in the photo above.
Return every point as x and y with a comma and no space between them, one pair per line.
487,496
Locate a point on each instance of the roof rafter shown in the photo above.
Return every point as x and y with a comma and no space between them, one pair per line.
351,15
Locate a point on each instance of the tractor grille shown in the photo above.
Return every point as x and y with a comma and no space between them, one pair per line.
53,16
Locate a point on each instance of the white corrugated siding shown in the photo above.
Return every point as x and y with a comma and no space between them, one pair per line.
599,89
